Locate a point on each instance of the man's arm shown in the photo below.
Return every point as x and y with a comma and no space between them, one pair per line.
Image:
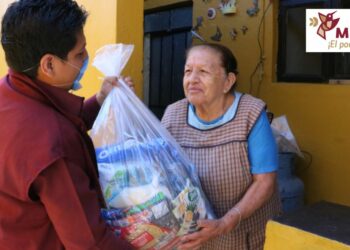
73,208
90,111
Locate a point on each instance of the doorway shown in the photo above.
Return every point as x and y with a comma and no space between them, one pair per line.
167,36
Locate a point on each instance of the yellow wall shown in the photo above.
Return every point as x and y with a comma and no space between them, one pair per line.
319,115
100,29
110,21
130,30
3,66
244,47
278,236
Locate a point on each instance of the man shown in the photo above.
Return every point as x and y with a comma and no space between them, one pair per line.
50,196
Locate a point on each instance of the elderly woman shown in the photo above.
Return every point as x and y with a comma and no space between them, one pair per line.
227,136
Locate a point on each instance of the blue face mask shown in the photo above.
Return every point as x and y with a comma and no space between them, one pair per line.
76,83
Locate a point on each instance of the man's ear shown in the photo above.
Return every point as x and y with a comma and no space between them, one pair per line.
47,65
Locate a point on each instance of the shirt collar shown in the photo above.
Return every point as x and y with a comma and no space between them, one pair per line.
196,122
65,102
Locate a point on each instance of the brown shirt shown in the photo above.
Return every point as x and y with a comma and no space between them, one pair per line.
50,196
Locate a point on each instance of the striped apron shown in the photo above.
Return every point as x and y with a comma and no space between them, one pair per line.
221,158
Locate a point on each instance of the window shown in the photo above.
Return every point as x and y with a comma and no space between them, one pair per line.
294,64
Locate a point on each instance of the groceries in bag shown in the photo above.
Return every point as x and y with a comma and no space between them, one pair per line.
151,188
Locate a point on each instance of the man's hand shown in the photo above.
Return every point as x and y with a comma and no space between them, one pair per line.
109,83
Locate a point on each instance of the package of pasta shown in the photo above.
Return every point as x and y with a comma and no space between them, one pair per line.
151,188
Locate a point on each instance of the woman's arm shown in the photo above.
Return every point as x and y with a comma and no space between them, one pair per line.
257,194
262,154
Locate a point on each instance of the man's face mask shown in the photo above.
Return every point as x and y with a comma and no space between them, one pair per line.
76,83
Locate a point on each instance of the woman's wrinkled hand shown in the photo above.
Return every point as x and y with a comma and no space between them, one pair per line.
209,229
109,83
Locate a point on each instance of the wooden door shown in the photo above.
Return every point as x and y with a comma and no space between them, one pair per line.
167,36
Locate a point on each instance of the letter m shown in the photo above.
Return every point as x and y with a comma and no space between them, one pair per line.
345,33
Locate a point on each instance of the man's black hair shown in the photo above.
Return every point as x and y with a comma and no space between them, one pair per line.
32,28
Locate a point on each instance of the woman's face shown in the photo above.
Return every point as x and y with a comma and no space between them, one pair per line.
205,80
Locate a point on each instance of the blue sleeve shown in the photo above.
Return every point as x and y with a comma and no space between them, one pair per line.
262,149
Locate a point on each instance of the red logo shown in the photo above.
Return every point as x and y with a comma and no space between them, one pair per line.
327,23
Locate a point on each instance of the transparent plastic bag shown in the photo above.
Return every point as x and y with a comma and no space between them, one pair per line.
151,188
285,139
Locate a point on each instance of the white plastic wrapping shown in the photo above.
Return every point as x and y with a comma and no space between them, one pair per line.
151,188
112,58
285,139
